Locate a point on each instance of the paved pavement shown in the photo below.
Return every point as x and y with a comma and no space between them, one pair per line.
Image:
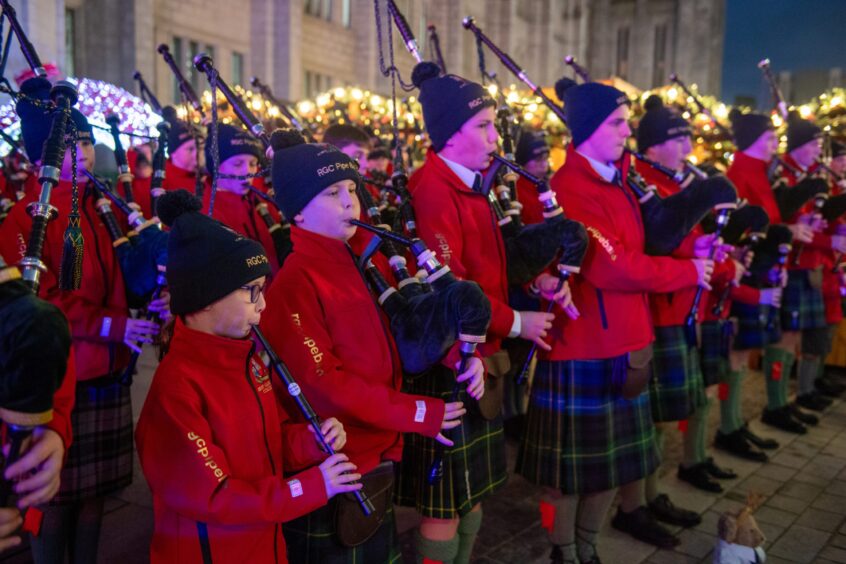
803,517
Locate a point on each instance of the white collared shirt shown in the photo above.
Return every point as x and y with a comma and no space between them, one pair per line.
730,553
468,178
605,170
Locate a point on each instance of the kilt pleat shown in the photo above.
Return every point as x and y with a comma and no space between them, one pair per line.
474,467
581,436
99,460
757,326
676,388
802,305
311,539
714,347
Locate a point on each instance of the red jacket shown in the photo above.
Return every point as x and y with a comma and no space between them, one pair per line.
176,178
814,253
749,176
460,227
616,276
214,444
98,311
239,213
527,194
326,326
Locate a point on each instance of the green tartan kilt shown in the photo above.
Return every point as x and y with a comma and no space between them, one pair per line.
802,305
474,468
311,539
581,435
676,388
757,326
714,348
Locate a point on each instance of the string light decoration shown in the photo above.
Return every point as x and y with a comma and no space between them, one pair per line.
97,99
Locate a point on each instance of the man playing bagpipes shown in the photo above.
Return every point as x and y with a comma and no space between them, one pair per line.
214,441
757,308
833,278
235,204
803,307
327,326
37,397
456,221
99,462
678,391
589,428
185,157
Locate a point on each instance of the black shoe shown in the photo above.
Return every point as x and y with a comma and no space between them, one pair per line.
828,386
717,472
758,441
780,419
801,416
641,524
735,443
594,560
557,555
698,477
813,401
664,510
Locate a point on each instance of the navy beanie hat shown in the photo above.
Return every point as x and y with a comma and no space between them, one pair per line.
303,170
206,260
659,124
747,128
36,121
530,145
587,105
448,101
180,131
800,131
233,141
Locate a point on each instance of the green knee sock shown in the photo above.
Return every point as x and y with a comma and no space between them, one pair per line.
694,438
437,550
651,481
731,418
468,528
808,370
776,373
786,367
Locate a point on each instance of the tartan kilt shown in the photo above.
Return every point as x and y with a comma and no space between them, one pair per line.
474,467
714,348
802,305
757,326
676,388
311,539
99,460
581,435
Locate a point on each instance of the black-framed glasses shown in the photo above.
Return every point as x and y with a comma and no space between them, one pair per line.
255,291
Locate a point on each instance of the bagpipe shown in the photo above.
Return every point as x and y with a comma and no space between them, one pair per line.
280,232
283,108
746,228
307,411
147,94
159,166
770,261
124,175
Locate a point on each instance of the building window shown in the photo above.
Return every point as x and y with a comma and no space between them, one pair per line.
327,10
659,59
623,52
194,74
70,42
345,13
178,55
313,7
237,68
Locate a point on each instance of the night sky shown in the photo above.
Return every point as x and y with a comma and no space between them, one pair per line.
793,34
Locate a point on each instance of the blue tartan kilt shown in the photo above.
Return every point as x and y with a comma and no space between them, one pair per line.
757,326
802,305
676,388
715,347
581,435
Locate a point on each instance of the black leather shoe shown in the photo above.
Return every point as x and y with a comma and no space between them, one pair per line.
717,472
757,440
641,524
698,477
813,401
664,510
828,386
735,443
801,416
780,419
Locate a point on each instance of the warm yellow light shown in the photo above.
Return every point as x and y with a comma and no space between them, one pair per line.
273,111
376,100
693,159
721,111
777,121
532,107
322,100
256,104
492,89
339,92
672,94
512,97
805,111
529,116
305,107
357,94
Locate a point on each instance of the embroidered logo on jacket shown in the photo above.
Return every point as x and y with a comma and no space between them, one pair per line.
603,242
260,375
310,345
208,461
